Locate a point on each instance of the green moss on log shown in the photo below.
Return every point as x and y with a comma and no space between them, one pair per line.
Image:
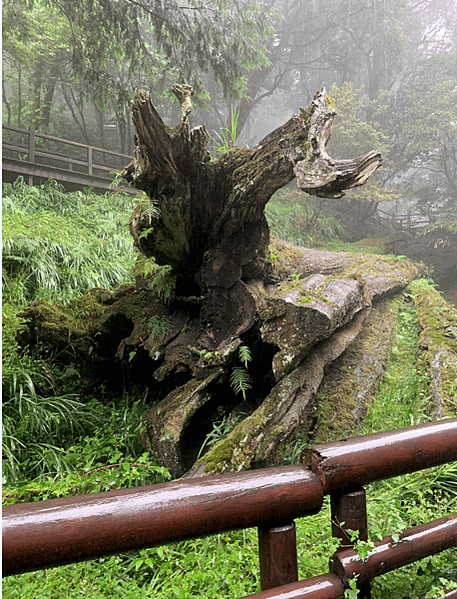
352,382
437,354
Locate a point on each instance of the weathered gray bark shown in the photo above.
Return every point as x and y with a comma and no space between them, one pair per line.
296,309
212,228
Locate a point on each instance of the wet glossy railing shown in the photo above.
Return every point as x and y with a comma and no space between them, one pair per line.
59,531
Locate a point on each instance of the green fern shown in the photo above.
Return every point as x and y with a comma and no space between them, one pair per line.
161,279
159,326
149,208
240,380
245,354
164,283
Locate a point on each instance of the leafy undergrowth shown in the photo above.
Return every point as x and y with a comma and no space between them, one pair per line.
407,501
57,443
302,219
56,245
226,565
437,323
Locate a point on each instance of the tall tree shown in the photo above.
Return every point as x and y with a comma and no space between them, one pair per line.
425,149
113,46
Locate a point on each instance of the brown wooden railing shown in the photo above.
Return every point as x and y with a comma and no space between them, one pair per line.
38,157
60,531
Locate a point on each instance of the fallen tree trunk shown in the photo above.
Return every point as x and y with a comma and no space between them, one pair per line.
253,323
305,324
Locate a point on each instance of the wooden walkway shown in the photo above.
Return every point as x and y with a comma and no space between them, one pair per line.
39,157
403,222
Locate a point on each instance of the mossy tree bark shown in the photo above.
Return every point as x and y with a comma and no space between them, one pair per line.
295,309
212,228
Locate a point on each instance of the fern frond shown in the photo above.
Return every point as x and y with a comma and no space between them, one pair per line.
240,380
159,326
245,354
149,208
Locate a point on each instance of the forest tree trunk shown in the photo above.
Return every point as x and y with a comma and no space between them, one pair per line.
212,228
254,321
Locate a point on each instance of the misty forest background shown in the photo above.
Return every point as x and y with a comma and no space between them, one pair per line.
70,70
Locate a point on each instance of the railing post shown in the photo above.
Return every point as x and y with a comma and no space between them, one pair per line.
31,151
89,160
278,555
349,512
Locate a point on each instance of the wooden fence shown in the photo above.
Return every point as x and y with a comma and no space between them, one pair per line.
60,531
39,157
404,221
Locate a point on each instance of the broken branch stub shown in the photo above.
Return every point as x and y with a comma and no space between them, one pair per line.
319,174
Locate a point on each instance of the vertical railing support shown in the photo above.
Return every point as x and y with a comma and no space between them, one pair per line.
278,555
349,512
31,151
89,160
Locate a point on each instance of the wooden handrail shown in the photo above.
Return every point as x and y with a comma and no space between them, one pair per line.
405,221
58,531
29,159
64,141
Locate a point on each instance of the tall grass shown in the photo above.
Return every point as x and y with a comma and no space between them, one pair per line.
56,245
301,219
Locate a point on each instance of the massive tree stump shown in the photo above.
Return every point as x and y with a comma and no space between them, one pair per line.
212,231
244,306
212,228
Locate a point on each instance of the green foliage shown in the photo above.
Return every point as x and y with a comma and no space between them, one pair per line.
110,458
99,50
352,592
355,134
240,380
219,431
426,132
55,246
398,392
37,421
149,208
159,326
244,354
159,279
302,219
226,139
58,245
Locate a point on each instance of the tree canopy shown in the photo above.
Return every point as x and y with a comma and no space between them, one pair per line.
71,69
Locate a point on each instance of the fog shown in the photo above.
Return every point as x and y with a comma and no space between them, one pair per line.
389,65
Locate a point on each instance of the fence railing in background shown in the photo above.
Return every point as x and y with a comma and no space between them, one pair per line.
60,531
404,221
38,157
